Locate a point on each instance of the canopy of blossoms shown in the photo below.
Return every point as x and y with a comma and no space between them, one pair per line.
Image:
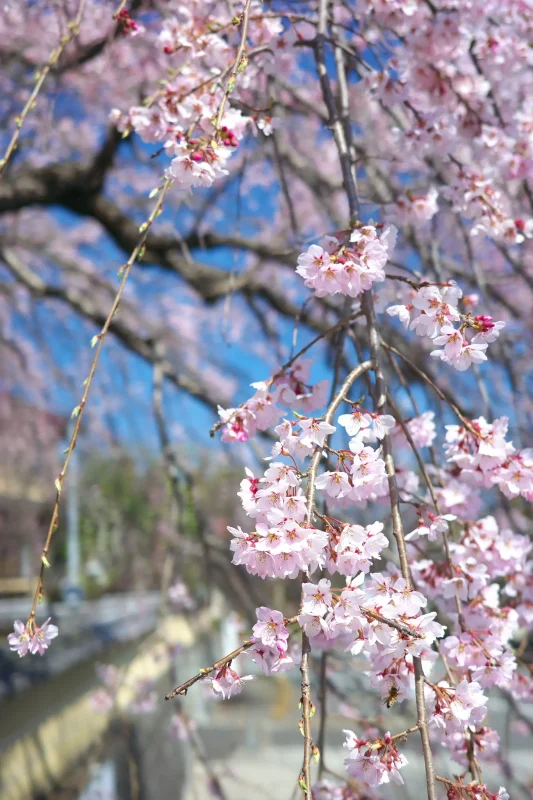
354,179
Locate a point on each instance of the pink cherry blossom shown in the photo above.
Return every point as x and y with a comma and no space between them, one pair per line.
316,598
270,629
422,429
314,432
20,640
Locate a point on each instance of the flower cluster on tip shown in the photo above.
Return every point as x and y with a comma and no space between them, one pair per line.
31,638
196,115
289,389
349,263
432,311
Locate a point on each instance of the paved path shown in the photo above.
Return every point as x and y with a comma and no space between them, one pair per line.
255,747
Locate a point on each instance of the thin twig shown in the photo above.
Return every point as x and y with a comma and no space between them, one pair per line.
182,688
322,698
466,423
79,410
185,686
237,64
414,448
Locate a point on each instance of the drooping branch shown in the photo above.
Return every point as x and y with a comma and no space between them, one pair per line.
80,408
367,305
305,777
222,662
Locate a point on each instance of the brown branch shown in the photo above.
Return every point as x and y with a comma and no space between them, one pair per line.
305,776
322,699
82,302
367,305
183,687
335,123
399,626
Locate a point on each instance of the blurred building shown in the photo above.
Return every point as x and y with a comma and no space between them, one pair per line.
29,445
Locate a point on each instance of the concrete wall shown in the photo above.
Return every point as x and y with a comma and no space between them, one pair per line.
46,730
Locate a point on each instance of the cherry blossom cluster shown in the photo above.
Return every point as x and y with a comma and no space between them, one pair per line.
375,762
484,457
476,196
446,84
488,614
290,388
360,473
268,647
196,114
433,311
381,620
458,706
348,263
32,638
281,544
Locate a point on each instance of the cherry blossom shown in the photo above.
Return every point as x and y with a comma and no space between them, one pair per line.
314,432
270,629
348,265
227,683
316,598
20,640
437,524
422,429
